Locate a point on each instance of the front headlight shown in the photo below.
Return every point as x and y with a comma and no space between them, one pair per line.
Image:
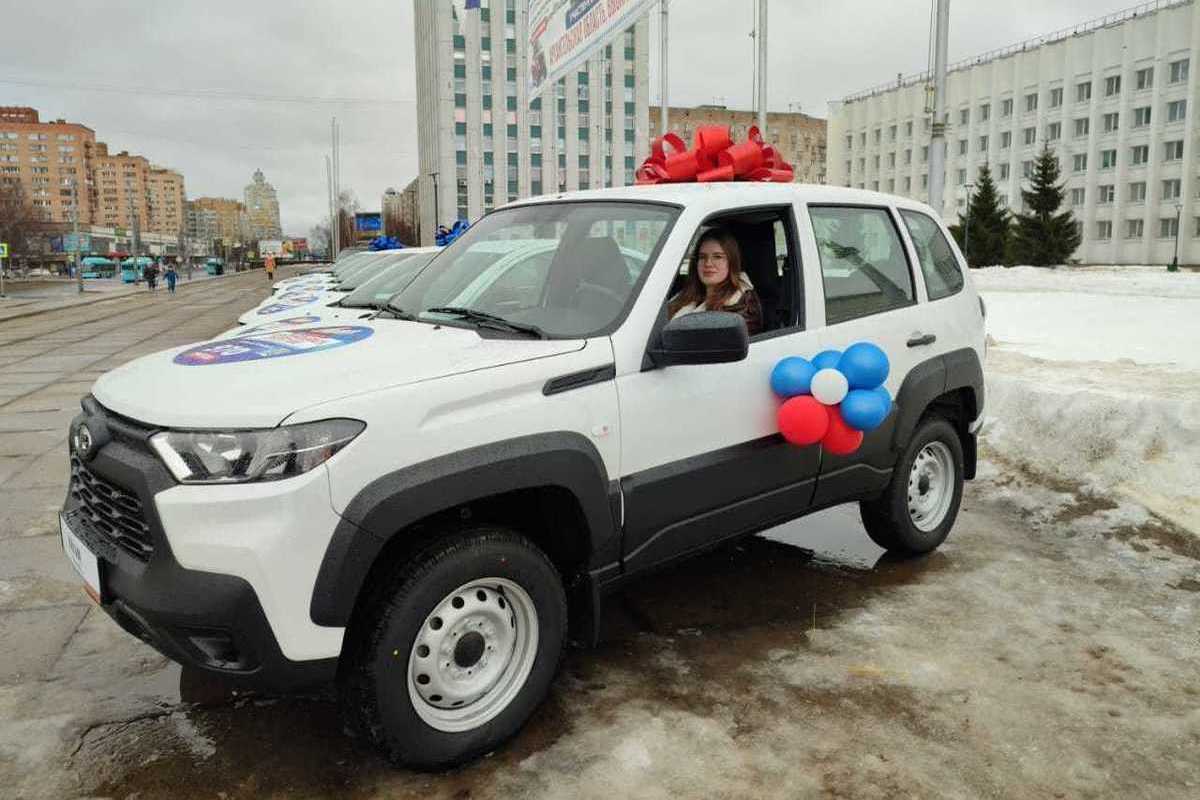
256,455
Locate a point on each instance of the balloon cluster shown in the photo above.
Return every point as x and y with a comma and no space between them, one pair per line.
834,398
385,243
445,236
714,157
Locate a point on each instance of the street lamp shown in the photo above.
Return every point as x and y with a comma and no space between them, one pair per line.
75,231
967,224
1175,261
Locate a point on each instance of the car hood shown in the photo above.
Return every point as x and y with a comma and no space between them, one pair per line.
258,380
290,304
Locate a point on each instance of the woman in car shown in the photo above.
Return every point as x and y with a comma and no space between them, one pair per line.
715,282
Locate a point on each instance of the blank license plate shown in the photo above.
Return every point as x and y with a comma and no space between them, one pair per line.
82,559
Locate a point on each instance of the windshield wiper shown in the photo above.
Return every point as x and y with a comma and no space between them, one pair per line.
485,320
388,308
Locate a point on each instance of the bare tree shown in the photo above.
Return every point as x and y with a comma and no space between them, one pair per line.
17,223
318,238
347,208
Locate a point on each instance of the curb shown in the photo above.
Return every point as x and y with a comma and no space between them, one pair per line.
112,296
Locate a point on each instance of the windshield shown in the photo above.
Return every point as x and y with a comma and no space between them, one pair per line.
396,276
371,269
351,262
569,269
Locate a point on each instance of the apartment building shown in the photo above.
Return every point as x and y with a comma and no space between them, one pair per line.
262,209
52,161
229,217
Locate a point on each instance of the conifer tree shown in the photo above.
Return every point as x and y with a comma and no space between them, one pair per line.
986,225
1042,236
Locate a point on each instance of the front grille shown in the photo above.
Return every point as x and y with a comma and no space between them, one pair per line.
113,512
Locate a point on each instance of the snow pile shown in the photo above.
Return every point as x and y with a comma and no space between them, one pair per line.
1094,377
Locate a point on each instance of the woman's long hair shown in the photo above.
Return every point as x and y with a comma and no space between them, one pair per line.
694,291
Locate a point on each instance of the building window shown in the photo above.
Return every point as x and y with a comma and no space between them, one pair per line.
1108,193
983,144
962,147
1026,169
1004,172
1054,131
862,139
1168,227
1079,162
964,116
849,168
1030,135
892,133
1110,122
1031,101
985,112
1144,78
1077,196
1005,140
1137,192
460,157
1083,92
1174,151
1134,228
908,129
1056,97
891,159
924,181
1006,107
875,163
1112,85
1104,229
925,154
1139,154
1141,117
1082,127
1179,71
908,156
1197,229
878,135
908,183
1108,159
1176,110
1171,189
849,141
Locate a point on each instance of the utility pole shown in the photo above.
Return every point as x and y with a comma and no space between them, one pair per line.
1175,261
75,231
761,41
434,175
336,230
664,66
937,142
332,218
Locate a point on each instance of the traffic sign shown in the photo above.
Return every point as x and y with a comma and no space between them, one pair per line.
3,249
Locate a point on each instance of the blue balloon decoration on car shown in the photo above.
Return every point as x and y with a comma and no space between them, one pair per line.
865,365
866,409
792,376
445,236
826,359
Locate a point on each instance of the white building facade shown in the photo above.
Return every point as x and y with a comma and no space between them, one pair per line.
1114,98
482,143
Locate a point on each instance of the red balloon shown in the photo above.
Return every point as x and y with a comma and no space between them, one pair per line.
840,439
803,421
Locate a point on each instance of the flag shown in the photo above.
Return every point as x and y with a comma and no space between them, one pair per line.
464,5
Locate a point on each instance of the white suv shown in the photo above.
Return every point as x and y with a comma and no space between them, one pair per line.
410,503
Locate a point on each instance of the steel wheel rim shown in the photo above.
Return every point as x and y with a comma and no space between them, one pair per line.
931,486
473,654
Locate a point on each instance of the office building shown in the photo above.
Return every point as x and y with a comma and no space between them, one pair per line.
1114,98
799,138
262,209
483,143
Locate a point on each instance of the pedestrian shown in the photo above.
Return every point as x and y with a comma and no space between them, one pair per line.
171,275
150,273
269,266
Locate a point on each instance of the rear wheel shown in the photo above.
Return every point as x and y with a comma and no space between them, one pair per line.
918,509
456,649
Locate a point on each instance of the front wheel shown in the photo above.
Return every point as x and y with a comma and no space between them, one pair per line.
917,510
457,649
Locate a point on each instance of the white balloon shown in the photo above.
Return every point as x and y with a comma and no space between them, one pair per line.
829,386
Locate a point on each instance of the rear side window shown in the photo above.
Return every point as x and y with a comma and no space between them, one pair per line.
863,265
942,274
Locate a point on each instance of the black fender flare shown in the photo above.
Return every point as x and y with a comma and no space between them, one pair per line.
930,379
394,501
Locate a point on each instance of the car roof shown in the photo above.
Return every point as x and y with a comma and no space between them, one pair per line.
720,195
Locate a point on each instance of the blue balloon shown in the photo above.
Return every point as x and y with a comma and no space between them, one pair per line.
866,409
865,365
792,376
827,359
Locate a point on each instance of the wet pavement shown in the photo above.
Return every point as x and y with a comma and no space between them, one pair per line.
1049,649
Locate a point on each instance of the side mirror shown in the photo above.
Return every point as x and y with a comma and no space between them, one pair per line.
705,337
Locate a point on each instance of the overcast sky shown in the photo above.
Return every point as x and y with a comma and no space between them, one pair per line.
68,54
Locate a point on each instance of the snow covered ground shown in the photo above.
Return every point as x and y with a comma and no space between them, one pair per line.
1094,377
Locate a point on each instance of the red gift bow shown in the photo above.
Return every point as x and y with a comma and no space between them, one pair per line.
714,157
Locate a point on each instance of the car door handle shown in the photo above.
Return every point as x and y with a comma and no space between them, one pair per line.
920,340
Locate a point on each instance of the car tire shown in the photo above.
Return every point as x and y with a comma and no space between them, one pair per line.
917,510
456,648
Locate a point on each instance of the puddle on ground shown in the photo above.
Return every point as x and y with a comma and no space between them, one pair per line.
717,612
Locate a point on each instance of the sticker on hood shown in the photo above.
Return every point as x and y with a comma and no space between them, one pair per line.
287,302
278,325
272,345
